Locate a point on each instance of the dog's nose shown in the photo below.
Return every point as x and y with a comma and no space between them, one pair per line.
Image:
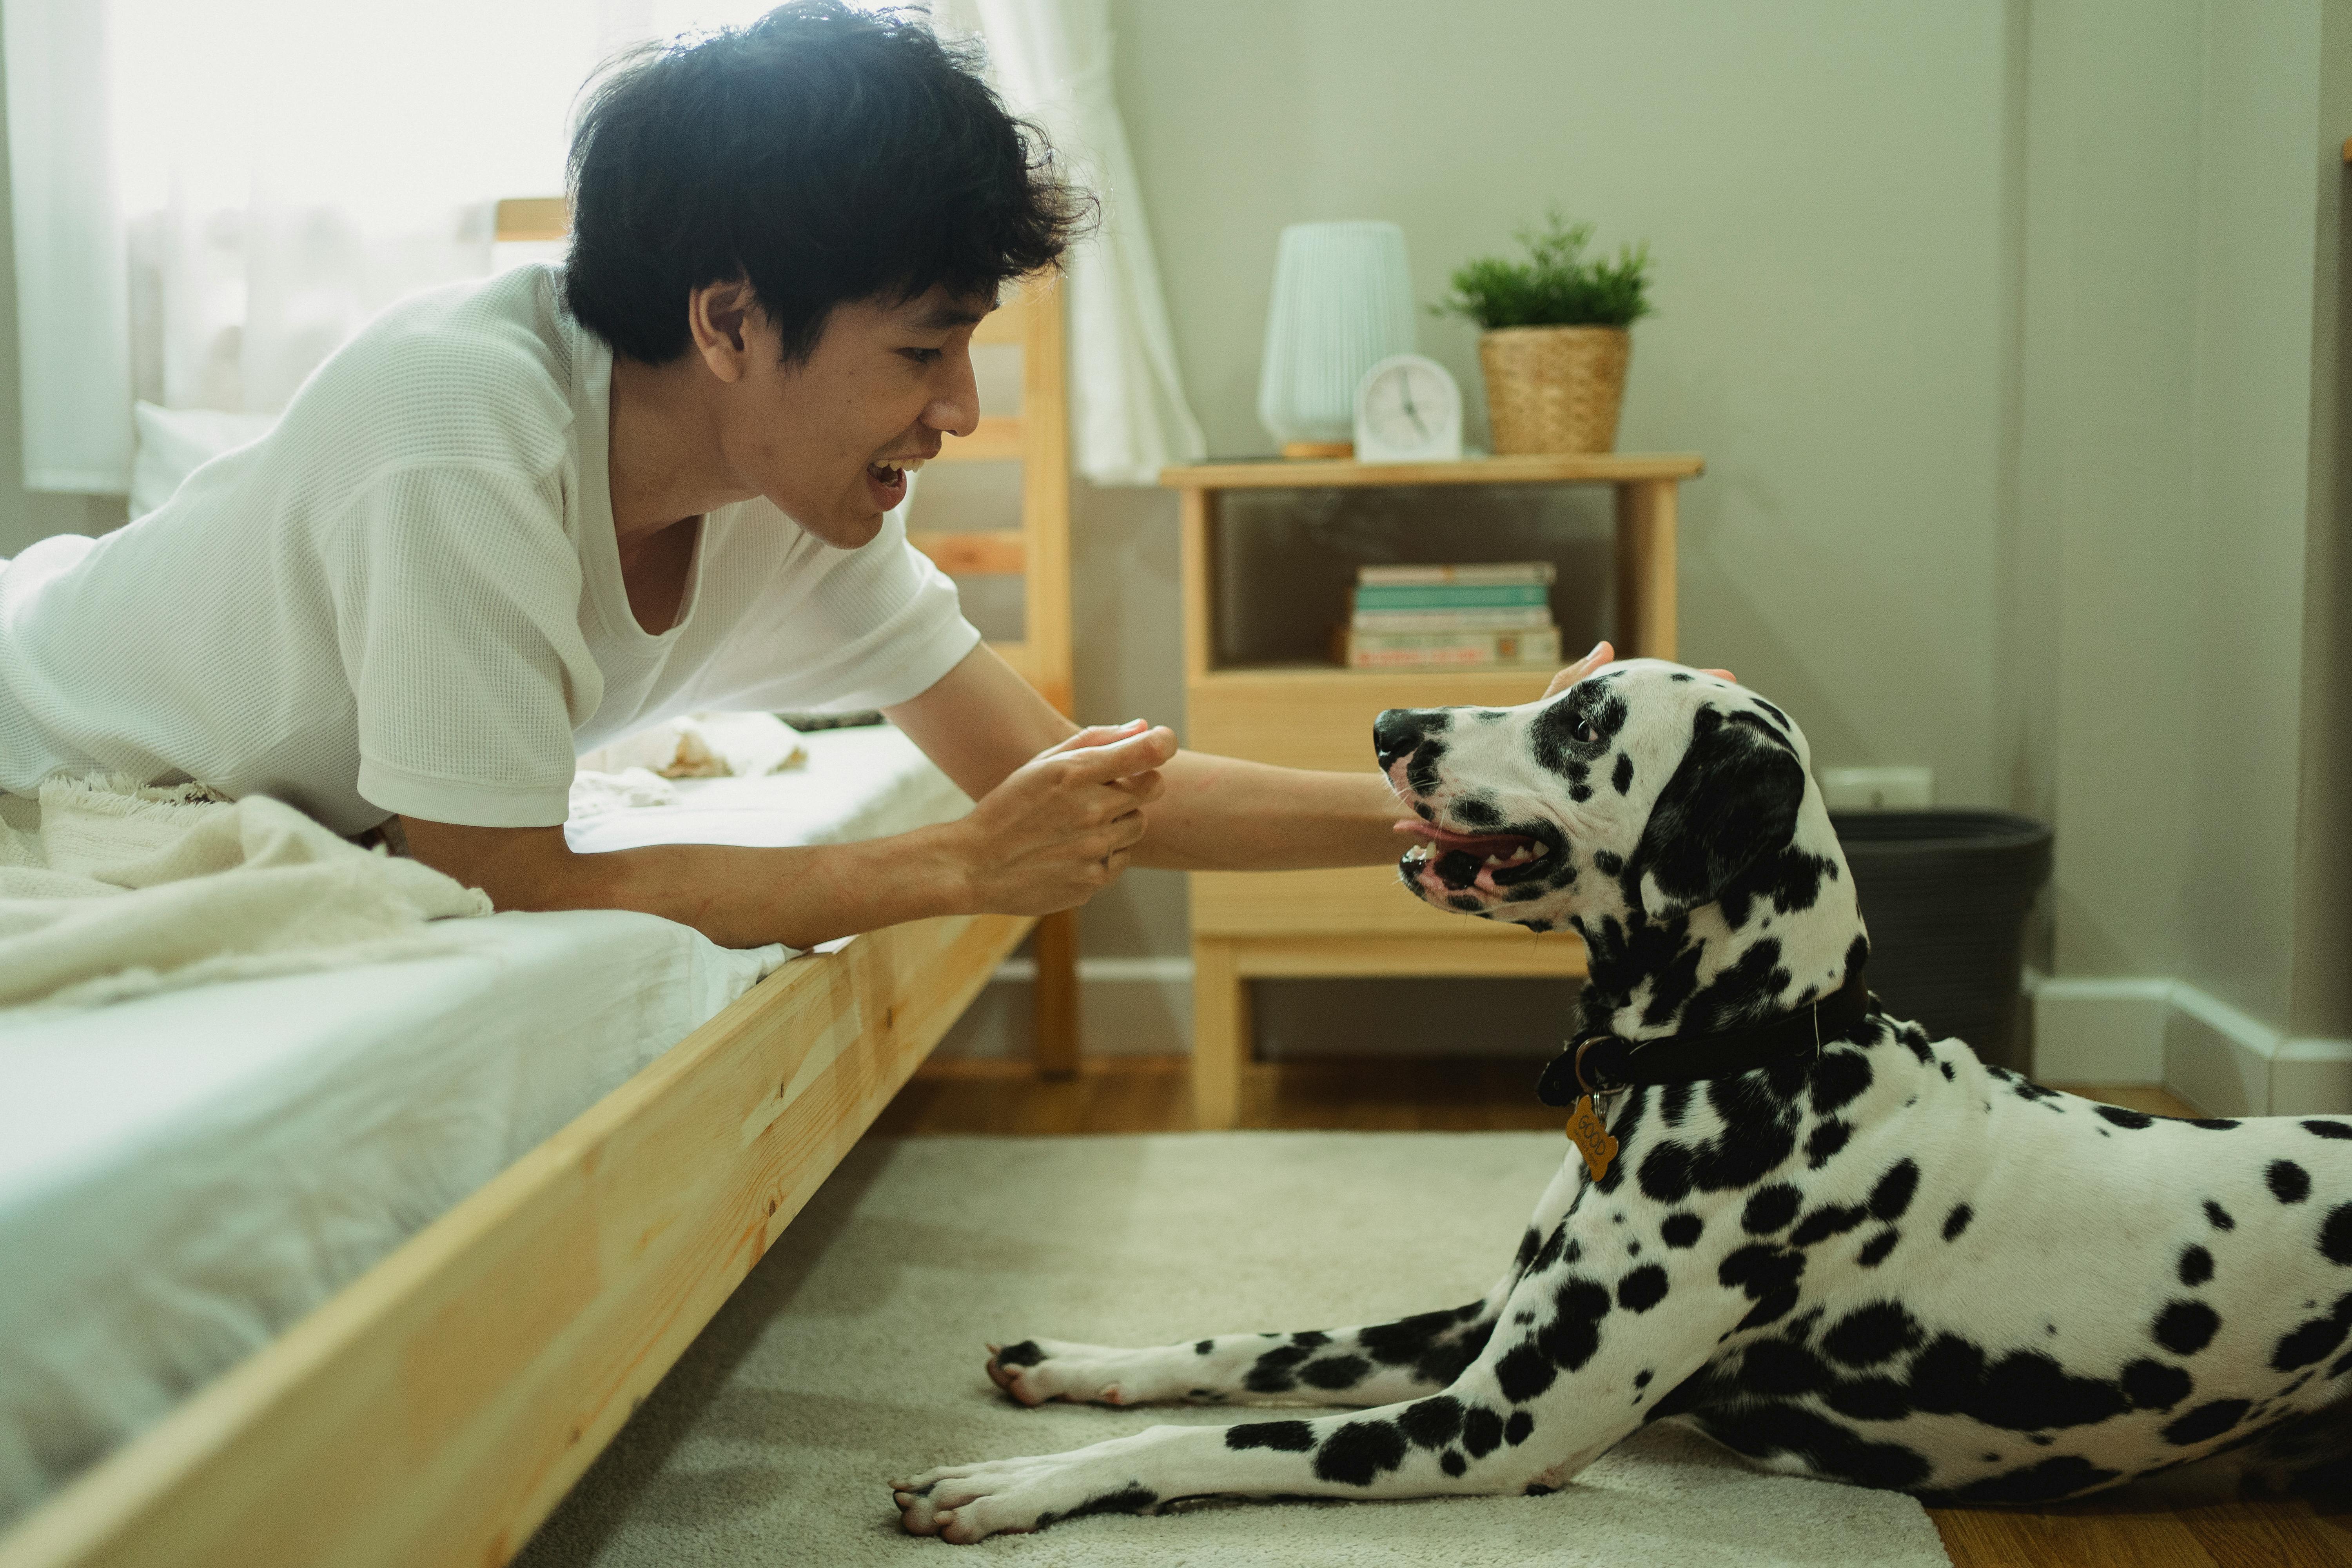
1398,730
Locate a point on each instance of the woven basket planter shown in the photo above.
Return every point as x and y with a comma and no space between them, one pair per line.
1555,389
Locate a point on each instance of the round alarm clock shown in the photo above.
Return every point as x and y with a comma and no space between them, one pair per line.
1408,410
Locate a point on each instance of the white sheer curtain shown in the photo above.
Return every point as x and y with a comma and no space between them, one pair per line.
1051,60
210,197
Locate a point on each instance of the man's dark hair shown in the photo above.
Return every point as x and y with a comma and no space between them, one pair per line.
823,155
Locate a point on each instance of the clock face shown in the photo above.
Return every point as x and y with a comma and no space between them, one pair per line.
1408,409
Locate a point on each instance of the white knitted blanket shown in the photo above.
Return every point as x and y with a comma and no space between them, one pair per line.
109,890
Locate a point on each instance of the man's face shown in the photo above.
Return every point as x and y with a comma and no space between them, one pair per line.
823,439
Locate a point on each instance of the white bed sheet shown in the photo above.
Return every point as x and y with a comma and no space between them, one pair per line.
183,1175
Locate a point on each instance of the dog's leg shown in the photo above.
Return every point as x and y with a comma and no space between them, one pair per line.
1377,1363
1571,1369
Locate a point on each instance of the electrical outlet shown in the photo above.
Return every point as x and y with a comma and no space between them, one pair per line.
1879,789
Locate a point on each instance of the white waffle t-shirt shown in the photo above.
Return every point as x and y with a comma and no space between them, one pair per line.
407,597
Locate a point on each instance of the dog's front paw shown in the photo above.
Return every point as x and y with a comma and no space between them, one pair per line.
964,1503
1036,1371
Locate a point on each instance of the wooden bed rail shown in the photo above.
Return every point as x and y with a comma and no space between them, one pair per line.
434,1411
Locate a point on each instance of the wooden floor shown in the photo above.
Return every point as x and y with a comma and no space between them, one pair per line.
2140,1527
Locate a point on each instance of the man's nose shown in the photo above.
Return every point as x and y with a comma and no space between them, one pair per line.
1398,730
954,408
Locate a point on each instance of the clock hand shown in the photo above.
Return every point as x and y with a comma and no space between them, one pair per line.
1405,382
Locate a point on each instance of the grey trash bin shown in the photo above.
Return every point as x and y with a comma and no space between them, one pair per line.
1946,895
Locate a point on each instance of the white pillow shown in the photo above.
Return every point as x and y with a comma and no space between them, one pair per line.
175,442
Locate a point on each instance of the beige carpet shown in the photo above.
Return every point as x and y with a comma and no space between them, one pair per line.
854,1353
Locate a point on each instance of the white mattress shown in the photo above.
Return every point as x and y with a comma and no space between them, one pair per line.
183,1175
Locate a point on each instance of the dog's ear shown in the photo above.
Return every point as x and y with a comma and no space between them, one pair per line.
1732,802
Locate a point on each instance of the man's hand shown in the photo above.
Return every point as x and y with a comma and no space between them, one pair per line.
1601,654
1059,829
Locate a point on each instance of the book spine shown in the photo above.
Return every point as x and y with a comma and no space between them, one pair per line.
1452,596
1399,651
1527,618
1481,572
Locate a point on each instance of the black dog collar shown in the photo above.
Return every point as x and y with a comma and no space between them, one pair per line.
1598,1062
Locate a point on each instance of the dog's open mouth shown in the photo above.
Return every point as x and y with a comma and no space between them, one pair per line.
1488,861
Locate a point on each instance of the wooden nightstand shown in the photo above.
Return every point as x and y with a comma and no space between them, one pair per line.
1251,925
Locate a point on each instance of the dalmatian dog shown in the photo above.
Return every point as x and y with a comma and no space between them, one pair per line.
1872,1258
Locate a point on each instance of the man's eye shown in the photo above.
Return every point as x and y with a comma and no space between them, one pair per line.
921,356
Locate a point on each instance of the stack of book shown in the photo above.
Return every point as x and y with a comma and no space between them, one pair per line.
1450,617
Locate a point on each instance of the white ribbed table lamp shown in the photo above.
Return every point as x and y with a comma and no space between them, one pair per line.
1342,303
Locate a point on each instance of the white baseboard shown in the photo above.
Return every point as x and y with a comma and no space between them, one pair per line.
2157,1030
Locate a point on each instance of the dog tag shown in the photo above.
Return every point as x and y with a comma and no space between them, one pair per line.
1591,1136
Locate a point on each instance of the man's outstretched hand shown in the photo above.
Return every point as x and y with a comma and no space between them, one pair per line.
1601,654
1060,828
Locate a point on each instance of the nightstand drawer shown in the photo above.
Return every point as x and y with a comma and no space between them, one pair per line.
1321,717
1352,900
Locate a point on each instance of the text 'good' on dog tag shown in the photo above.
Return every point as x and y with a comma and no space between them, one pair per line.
1591,1136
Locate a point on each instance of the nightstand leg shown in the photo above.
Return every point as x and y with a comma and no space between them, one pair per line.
1221,1035
1645,568
1056,947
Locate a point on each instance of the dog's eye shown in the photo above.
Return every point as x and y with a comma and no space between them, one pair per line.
1585,732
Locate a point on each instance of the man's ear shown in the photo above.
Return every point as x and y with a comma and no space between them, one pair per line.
1732,802
718,316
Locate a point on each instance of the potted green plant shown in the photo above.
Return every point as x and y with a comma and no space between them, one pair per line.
1555,344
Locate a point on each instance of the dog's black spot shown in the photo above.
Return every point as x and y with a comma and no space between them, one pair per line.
1872,1334
1275,1371
1335,1372
1451,1462
1624,776
2155,1384
1482,1431
1769,1209
1762,1431
2335,1235
1204,1347
1524,1373
1957,1221
1289,1436
1947,1071
1359,1452
1673,1104
1642,1378
2195,1265
1433,1423
2184,1328
1642,1289
2134,1120
2207,1420
2340,1130
2045,1482
2218,1217
1891,1195
1310,1339
1608,863
2211,1123
1463,902
1874,1251
1869,1399
2289,1183
1665,1173
1476,811
1833,1219
1761,1269
1681,1229
1026,1353
1515,1430
1838,1079
2313,1341
1573,1335
1682,675
1781,1370
1825,1140
1527,1245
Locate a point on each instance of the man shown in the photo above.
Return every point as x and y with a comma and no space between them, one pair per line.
513,521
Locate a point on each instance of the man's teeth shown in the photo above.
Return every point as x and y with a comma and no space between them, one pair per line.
899,464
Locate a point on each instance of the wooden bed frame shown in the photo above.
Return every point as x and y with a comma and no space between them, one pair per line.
436,1408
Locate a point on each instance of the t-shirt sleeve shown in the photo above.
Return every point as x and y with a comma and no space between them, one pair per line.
456,598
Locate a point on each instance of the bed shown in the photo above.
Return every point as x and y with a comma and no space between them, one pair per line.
443,1222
